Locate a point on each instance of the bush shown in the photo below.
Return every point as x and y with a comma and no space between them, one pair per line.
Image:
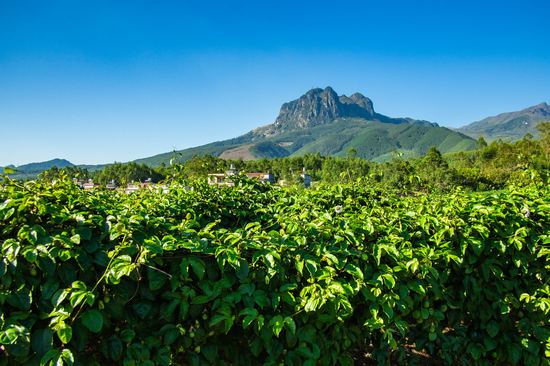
255,275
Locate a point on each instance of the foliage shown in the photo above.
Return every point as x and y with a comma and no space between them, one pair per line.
68,171
255,275
126,173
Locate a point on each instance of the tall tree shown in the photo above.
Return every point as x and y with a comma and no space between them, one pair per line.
544,132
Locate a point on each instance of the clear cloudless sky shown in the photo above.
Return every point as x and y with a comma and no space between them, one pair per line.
102,81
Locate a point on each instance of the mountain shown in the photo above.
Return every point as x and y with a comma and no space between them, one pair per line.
318,121
321,121
319,107
59,163
33,169
513,125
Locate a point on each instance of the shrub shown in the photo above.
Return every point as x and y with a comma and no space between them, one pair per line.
255,275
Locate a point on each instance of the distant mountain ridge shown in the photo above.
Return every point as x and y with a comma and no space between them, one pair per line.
513,125
59,163
33,169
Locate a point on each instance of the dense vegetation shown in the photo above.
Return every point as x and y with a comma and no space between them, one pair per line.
256,275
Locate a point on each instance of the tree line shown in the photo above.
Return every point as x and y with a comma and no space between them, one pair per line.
491,166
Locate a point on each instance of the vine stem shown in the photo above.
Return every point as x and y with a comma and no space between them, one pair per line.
98,282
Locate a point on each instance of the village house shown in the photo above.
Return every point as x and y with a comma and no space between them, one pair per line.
148,184
305,178
90,185
225,178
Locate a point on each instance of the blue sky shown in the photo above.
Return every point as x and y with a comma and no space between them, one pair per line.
102,81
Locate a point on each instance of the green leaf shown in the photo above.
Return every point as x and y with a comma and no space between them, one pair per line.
403,292
288,286
200,300
194,359
68,356
163,356
47,264
65,333
312,304
113,348
142,308
311,267
21,299
229,323
305,352
355,270
84,232
198,267
290,325
67,273
514,352
416,287
77,297
242,270
80,336
171,336
256,346
299,266
93,320
389,280
30,253
210,351
127,335
9,336
425,313
249,311
48,356
402,326
8,170
59,296
291,339
276,325
492,328
530,345
477,245
42,341
490,343
157,279
248,320
260,298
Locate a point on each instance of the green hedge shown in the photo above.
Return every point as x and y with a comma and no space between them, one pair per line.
253,275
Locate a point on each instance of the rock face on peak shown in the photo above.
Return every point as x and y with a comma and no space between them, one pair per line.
358,104
320,106
323,106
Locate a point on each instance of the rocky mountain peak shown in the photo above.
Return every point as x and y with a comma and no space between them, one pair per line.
319,106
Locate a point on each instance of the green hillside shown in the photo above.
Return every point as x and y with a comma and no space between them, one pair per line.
511,125
371,140
268,149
